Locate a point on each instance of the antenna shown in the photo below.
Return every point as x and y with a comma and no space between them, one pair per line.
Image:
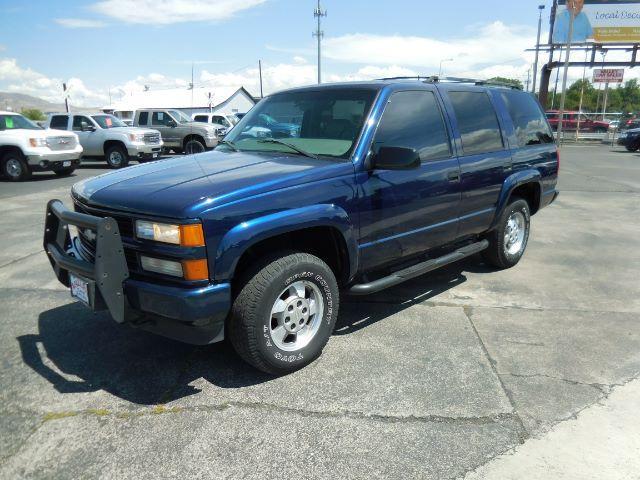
318,13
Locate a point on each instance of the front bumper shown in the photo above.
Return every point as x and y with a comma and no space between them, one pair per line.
191,315
53,160
145,151
211,142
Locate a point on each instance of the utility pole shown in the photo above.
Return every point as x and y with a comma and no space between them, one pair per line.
260,72
543,91
572,17
528,80
535,63
66,98
584,77
318,13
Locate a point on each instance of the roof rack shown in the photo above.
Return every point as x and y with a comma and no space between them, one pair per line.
436,79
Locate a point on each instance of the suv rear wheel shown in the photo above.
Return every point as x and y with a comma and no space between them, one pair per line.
117,156
508,241
285,313
14,167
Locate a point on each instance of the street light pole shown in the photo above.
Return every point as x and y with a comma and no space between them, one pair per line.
441,62
535,63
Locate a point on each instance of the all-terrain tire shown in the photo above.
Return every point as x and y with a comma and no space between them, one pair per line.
499,254
15,167
116,156
251,325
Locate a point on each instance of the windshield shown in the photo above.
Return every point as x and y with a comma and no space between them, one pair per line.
324,122
179,116
15,122
108,121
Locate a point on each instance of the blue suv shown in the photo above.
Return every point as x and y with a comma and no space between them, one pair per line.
370,184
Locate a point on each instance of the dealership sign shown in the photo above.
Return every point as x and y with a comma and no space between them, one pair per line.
599,21
608,75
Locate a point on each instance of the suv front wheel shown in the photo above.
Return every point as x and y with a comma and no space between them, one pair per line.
284,313
508,241
117,156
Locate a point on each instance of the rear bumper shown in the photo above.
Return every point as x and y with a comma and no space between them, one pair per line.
192,315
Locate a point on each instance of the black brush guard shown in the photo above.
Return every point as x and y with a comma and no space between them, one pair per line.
106,275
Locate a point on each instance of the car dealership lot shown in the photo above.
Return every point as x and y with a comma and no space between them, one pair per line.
430,379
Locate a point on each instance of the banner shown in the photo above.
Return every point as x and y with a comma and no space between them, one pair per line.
598,21
608,75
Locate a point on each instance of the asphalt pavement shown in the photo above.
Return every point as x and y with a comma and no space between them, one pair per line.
465,372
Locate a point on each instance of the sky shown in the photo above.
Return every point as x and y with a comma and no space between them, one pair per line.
118,46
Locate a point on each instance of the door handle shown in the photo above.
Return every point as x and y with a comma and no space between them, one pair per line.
453,176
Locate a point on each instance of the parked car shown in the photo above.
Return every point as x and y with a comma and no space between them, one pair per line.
179,132
220,123
630,139
25,148
631,123
106,136
256,241
570,122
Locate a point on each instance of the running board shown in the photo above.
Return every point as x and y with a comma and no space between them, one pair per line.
417,270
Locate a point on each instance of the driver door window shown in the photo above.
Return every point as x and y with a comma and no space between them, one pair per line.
78,120
161,119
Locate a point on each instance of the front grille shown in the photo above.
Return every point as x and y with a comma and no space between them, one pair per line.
87,236
61,143
152,138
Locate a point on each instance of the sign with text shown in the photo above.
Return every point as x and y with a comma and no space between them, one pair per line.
608,75
600,21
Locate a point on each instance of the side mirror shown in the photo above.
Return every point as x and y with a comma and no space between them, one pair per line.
172,123
85,127
396,158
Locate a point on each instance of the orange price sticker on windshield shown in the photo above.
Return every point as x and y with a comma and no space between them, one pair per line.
109,122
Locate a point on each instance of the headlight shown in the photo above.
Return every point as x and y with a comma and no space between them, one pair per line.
38,142
136,137
184,235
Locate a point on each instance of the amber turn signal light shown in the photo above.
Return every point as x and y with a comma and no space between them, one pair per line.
195,269
191,235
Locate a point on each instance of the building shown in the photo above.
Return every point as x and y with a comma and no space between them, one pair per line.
226,100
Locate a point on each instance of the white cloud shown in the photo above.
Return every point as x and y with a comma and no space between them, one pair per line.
164,12
80,23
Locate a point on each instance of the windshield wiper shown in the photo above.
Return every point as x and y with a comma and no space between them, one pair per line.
229,144
291,146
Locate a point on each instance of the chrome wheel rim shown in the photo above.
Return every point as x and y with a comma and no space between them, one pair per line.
514,234
115,158
296,316
14,168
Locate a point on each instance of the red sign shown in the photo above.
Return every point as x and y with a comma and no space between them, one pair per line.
608,75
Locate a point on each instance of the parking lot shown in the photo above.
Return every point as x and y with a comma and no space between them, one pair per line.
445,376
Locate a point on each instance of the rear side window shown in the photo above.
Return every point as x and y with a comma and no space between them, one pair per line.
143,118
59,122
529,121
414,120
477,122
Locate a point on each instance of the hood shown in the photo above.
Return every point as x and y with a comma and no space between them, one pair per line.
182,187
128,130
51,132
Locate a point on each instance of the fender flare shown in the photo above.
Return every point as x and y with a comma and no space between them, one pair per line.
512,182
246,234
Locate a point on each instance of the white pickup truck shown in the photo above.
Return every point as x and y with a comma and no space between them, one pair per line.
25,148
104,135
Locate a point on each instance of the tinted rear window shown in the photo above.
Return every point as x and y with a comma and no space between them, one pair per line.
477,122
59,122
143,119
531,127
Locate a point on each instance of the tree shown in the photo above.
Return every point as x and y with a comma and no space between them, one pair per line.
508,81
33,114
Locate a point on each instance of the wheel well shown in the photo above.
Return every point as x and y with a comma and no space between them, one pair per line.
10,148
326,243
529,192
193,136
111,143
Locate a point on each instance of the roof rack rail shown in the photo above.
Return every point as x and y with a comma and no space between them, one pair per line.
474,81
